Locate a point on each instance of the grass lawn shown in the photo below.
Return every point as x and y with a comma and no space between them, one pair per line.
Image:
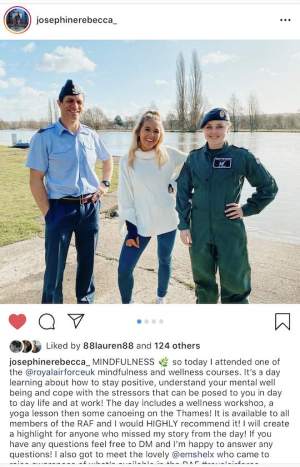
20,219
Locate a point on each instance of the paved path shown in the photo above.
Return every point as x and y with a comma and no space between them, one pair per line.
275,270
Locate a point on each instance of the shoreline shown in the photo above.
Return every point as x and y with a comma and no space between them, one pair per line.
121,130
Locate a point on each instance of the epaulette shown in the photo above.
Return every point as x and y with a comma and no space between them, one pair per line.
87,127
41,130
194,150
239,147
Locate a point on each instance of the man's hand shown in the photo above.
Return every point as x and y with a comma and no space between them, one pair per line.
38,190
234,211
186,237
131,242
102,190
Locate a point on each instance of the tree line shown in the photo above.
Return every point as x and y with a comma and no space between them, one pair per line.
190,106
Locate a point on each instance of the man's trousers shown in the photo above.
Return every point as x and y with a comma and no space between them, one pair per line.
62,220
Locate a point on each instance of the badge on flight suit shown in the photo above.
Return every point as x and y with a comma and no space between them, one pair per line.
222,163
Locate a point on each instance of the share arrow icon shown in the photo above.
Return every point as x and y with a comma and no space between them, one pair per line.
76,318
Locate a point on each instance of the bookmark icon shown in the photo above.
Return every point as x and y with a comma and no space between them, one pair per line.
283,319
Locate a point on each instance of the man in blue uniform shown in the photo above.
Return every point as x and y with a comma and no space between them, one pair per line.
208,193
66,189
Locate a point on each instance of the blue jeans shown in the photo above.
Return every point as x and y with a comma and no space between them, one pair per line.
130,255
62,220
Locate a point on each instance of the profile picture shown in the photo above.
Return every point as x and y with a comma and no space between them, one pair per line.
27,346
36,346
16,346
17,19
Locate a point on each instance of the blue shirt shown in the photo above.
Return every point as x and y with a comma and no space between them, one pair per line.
67,159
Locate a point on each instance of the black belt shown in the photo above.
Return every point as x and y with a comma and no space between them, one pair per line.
82,199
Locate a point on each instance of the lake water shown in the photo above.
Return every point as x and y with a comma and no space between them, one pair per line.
279,152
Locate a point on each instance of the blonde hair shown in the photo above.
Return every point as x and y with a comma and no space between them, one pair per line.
161,154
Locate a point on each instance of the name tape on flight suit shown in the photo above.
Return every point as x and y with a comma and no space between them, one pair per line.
222,163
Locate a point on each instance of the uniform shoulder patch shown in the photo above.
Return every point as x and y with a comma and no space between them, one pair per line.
248,154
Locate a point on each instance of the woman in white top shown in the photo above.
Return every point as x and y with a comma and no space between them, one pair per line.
147,202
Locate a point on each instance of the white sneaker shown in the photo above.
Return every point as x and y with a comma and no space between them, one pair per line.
160,300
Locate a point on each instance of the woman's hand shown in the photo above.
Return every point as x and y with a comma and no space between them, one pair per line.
234,211
186,237
135,242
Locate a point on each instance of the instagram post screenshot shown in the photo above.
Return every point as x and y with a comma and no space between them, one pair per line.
149,155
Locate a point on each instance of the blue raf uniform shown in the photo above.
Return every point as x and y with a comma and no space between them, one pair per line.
68,162
67,159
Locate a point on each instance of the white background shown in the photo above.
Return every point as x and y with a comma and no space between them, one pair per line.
192,21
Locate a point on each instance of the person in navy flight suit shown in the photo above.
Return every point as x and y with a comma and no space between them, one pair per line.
66,189
211,218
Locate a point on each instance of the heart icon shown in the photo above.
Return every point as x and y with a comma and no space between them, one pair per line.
17,321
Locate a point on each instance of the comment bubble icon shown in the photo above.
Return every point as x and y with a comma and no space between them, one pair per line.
47,321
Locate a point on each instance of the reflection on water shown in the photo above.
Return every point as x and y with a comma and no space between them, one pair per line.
279,152
119,142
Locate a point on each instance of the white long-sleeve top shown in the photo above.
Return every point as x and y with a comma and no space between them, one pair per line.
143,196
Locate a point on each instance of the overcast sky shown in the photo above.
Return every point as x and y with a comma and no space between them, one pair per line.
123,77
